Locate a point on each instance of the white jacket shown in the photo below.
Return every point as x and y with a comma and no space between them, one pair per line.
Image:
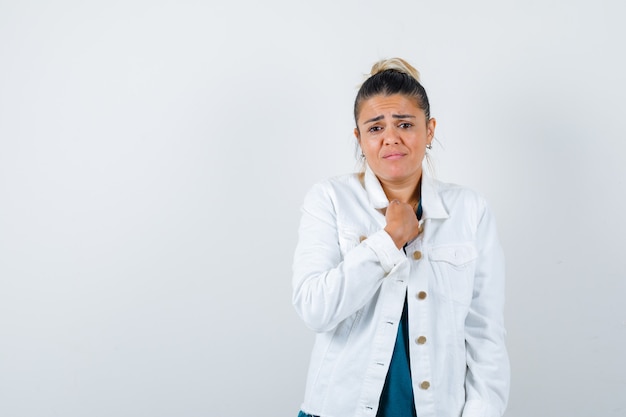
349,286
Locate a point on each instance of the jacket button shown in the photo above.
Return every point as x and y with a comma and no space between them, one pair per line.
417,255
421,340
425,385
421,295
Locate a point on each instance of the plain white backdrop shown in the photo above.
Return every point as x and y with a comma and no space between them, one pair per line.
154,156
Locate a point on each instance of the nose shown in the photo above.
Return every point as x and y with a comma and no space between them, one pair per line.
391,137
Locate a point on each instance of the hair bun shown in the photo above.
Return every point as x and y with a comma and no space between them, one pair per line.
396,64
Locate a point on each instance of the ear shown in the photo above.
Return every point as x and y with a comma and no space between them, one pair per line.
357,135
432,124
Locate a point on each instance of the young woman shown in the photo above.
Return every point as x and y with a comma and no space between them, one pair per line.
401,276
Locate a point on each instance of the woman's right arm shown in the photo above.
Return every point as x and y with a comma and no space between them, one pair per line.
328,287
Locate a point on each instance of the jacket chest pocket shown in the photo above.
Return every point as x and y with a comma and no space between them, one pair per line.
350,238
454,267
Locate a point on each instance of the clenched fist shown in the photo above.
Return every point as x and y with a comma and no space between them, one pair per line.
402,223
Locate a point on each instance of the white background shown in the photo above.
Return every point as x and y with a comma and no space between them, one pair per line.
154,156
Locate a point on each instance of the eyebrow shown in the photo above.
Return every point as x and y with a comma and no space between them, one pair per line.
395,116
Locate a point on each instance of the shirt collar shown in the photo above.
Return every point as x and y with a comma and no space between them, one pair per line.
431,201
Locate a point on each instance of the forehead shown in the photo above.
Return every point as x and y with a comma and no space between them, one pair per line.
385,105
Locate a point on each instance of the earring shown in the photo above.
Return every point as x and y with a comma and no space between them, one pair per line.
429,146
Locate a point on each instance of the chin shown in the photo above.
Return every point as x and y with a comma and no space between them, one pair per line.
397,176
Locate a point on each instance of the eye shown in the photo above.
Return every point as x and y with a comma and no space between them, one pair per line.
405,125
375,129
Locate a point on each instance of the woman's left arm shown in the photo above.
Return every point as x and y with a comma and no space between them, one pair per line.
488,372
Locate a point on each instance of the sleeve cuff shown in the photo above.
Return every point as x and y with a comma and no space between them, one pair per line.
385,249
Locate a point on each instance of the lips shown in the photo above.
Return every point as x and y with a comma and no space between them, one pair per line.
393,155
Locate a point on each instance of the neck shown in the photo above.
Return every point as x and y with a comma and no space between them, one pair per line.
406,192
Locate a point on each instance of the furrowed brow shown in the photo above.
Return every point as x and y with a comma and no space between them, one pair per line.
403,116
375,119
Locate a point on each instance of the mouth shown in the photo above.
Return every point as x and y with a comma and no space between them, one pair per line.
393,156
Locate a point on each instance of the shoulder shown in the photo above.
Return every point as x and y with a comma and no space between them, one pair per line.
326,199
341,181
453,190
456,197
337,186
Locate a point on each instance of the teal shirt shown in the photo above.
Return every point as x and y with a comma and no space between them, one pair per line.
397,397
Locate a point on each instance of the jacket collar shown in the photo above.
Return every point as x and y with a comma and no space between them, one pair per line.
431,200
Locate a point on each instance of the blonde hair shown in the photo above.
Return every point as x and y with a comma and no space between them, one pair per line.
396,64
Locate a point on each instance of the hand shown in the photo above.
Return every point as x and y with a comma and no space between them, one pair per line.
402,223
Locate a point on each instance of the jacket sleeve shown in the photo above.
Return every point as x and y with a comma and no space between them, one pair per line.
328,287
488,374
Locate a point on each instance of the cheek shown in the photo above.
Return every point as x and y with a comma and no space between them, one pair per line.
369,148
